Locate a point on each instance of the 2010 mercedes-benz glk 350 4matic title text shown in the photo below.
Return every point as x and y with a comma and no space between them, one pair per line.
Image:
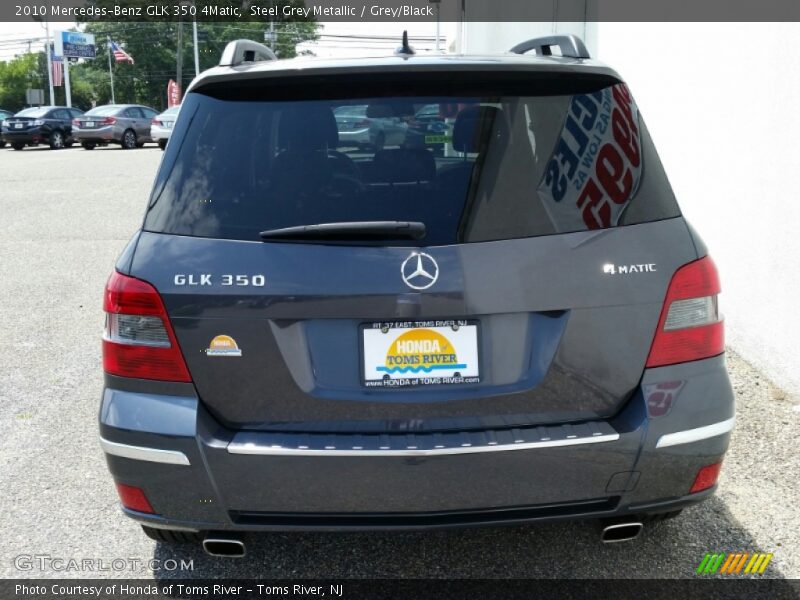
496,314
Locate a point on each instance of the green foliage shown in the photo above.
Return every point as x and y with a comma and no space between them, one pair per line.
18,75
153,46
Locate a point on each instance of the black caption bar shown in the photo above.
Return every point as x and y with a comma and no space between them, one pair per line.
402,10
416,589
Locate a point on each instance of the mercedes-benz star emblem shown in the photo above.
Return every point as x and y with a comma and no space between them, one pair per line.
419,271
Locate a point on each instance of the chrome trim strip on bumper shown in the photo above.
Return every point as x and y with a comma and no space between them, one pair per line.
695,435
170,457
421,444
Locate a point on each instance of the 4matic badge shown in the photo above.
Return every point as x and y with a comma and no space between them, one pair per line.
612,269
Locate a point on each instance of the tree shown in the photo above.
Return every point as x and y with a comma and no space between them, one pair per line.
18,75
153,46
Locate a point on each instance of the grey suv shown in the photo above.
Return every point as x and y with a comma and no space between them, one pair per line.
308,335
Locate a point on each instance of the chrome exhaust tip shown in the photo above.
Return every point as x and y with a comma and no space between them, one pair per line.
225,545
621,532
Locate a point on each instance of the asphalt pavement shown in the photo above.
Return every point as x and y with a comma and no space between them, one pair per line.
64,218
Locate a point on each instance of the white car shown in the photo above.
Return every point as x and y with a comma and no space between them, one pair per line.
161,126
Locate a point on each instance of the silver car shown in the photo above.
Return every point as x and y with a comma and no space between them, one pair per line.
125,124
161,126
369,127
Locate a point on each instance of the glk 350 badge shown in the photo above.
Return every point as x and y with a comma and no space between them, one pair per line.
226,279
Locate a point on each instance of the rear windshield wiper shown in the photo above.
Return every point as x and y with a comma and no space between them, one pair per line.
353,230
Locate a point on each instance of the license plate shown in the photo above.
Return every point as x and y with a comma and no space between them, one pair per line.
420,353
89,123
17,125
168,124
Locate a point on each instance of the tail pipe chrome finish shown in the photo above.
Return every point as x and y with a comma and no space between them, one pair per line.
621,532
228,545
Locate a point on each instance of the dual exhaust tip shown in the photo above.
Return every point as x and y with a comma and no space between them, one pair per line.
230,545
226,545
621,532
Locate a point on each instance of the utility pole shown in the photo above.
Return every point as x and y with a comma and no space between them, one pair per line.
438,31
110,71
179,66
269,36
49,51
196,52
463,26
67,89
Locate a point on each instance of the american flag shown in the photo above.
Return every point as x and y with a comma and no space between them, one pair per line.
119,54
58,69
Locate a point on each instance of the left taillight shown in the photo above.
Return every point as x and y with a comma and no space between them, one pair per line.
138,340
134,498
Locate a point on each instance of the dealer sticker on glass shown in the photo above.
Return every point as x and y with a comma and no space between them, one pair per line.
414,353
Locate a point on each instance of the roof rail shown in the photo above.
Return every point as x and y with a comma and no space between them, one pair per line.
571,46
242,51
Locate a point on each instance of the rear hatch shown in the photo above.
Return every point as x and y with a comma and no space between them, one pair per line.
550,237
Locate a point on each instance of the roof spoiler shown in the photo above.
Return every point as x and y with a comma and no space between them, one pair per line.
571,46
244,51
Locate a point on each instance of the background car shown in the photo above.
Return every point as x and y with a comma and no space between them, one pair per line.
43,124
360,126
4,114
161,126
429,128
125,124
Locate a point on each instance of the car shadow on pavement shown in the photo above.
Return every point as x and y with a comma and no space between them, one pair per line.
672,548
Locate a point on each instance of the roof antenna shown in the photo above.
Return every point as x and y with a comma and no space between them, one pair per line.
405,50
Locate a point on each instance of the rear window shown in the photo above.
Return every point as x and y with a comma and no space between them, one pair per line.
103,111
33,112
472,167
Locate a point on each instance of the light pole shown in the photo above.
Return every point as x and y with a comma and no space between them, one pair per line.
49,52
438,37
269,36
194,35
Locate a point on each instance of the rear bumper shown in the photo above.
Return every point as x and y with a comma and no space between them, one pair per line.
159,133
30,136
99,134
200,475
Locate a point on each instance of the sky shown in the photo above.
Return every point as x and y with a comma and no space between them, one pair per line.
381,38
10,33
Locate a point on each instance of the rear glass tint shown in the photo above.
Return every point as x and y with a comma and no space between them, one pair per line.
102,111
472,167
33,112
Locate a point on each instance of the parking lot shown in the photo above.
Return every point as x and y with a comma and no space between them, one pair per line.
65,216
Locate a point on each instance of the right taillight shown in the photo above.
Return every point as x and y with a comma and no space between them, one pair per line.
138,340
109,121
706,478
690,327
